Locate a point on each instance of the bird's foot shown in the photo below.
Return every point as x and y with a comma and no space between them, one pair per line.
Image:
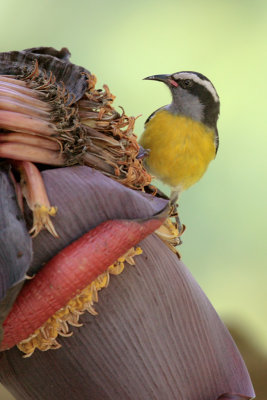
142,153
179,226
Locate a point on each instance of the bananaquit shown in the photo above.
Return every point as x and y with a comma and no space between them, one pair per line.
182,137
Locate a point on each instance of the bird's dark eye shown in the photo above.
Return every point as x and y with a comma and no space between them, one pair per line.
186,83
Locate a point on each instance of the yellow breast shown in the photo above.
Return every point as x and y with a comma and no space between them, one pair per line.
180,149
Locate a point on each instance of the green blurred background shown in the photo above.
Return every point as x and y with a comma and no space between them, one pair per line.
122,42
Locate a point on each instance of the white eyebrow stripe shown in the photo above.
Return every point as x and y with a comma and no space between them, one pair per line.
208,85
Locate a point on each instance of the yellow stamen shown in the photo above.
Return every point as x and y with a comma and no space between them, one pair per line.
41,219
168,233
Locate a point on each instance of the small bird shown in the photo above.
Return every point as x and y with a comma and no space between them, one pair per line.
182,138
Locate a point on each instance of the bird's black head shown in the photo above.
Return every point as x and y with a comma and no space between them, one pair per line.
193,95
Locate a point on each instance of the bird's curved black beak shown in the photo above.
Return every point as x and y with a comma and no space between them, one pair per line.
162,78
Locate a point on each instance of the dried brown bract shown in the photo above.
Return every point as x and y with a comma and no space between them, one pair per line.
51,113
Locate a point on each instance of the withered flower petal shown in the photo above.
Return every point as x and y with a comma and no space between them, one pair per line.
49,60
63,54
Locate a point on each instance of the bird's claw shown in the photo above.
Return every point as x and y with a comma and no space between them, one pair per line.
142,153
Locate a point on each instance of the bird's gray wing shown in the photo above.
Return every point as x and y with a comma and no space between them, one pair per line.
152,115
216,140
